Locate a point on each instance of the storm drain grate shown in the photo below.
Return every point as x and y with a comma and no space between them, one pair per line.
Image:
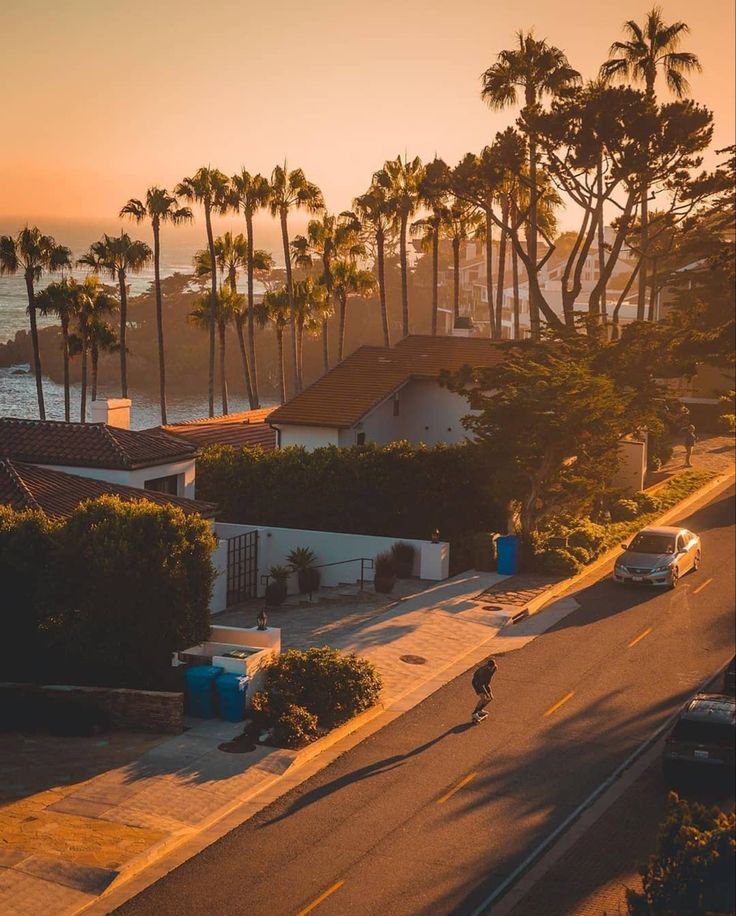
413,659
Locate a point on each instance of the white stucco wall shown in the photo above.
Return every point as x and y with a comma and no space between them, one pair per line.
138,477
310,437
431,414
275,543
632,468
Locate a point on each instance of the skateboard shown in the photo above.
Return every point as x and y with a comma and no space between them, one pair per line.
478,717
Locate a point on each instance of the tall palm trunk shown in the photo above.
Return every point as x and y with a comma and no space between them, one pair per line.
95,360
160,320
343,300
380,243
65,354
404,277
531,235
435,277
515,282
601,241
282,367
292,307
455,280
223,376
489,271
83,401
299,347
213,309
325,345
123,327
501,268
244,359
253,396
36,348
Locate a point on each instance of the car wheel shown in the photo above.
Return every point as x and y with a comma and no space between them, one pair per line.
674,577
696,562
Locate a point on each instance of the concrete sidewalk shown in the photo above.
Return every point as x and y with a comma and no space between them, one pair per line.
184,784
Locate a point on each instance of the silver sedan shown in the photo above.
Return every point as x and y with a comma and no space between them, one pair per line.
658,556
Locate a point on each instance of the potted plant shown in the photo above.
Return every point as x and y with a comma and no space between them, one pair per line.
276,590
384,569
403,554
302,561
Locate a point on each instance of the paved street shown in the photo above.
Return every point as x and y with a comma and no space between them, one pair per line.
430,814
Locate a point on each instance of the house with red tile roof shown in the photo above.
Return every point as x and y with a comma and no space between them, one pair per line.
385,394
57,494
131,458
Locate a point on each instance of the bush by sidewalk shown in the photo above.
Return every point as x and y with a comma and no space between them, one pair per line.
311,691
565,545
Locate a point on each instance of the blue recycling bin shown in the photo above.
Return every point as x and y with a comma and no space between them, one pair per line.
200,690
507,551
231,690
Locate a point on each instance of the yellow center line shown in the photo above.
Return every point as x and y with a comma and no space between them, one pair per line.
640,637
701,587
568,696
463,782
322,897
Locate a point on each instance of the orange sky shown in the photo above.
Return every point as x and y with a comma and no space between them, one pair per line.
107,99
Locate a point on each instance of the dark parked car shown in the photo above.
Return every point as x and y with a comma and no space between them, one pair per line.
703,736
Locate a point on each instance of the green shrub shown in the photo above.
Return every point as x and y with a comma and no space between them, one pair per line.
646,502
403,555
398,490
624,510
259,708
294,727
589,535
558,561
659,449
332,686
582,555
301,558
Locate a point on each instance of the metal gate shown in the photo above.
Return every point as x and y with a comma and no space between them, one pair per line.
242,567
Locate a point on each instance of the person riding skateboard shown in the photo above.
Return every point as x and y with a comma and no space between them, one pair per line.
482,686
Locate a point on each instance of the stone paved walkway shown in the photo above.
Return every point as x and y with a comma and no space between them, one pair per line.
714,453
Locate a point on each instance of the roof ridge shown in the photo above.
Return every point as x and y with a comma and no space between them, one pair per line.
18,481
117,447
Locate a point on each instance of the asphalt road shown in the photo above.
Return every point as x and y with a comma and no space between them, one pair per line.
428,815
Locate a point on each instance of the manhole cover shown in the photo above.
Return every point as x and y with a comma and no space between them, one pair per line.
413,659
493,607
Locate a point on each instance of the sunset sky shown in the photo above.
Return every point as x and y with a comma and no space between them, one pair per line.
107,99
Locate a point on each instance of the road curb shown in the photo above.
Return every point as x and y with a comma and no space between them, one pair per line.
559,588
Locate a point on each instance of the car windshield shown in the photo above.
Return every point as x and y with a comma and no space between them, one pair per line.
653,543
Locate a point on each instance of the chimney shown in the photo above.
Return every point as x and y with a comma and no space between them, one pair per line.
113,411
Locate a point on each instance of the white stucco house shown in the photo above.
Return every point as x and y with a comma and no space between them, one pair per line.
131,458
385,394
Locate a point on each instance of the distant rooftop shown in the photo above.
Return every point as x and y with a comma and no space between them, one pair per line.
91,445
345,394
248,428
57,494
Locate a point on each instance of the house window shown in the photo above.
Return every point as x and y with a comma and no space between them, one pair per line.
396,405
360,439
168,485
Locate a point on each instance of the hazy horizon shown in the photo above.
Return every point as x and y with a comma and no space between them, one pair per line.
335,88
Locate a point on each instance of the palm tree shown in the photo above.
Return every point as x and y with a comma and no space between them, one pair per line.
117,255
159,207
250,193
275,309
292,191
461,221
647,50
401,181
433,191
375,211
350,280
228,305
210,188
309,302
327,239
61,300
94,303
33,253
535,69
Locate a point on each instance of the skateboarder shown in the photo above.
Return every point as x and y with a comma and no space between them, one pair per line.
482,686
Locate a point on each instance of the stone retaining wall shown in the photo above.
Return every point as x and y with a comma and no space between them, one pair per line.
130,710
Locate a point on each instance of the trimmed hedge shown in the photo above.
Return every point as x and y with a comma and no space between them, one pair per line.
105,597
398,490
